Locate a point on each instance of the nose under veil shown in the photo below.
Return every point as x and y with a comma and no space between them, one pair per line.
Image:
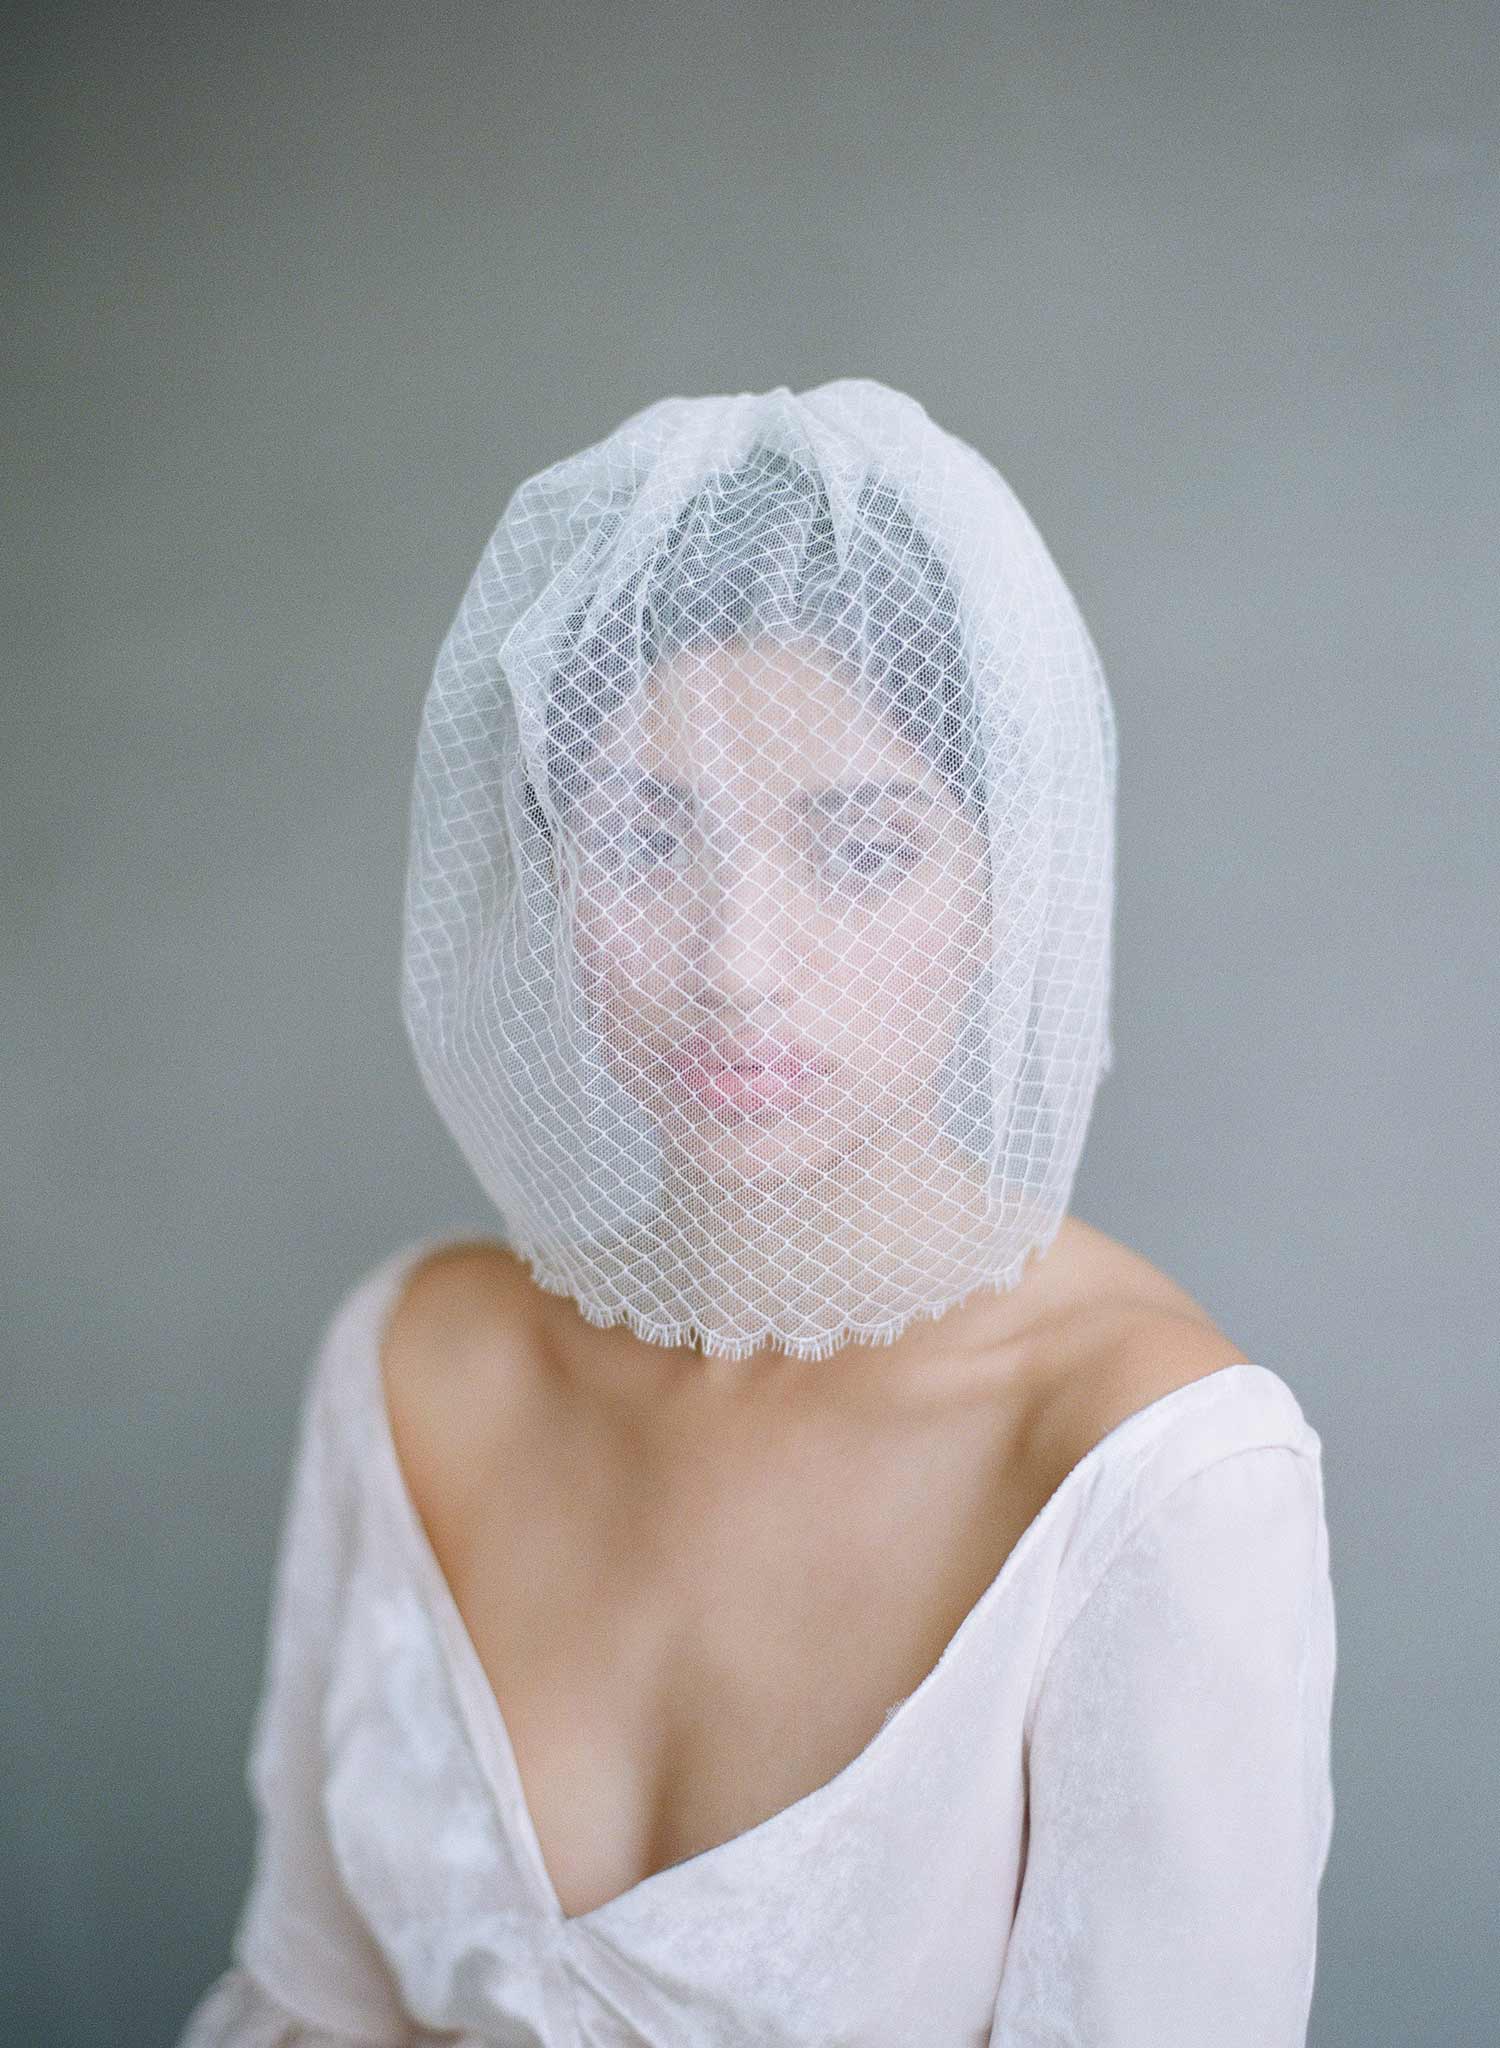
757,940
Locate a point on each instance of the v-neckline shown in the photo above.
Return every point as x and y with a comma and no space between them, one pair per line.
484,1720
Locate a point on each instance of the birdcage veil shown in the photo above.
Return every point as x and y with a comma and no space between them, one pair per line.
748,608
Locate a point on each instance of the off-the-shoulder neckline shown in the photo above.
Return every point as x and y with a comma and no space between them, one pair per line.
485,1722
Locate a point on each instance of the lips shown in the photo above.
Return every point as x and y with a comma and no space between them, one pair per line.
739,1077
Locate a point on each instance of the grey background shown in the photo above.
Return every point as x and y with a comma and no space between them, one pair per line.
304,292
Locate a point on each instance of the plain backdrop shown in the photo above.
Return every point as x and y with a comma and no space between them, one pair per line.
300,295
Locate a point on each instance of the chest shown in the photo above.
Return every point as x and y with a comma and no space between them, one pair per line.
679,1652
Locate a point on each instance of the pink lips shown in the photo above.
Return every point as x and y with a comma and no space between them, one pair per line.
743,1075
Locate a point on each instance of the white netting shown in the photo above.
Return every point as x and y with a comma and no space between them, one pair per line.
759,903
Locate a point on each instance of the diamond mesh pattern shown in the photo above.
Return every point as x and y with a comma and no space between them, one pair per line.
758,908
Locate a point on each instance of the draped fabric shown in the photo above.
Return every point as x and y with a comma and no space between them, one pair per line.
1100,1821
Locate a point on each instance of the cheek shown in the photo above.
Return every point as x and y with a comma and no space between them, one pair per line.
904,991
628,960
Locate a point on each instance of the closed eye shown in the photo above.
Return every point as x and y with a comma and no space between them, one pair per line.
611,852
846,862
865,860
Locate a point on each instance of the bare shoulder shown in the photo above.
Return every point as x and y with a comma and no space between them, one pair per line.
449,1299
454,1357
1131,1336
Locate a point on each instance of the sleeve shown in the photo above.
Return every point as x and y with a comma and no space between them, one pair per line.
306,1971
1180,1804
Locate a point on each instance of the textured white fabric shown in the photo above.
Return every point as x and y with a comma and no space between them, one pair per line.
1100,1821
757,922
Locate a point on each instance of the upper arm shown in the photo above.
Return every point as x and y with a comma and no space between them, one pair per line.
300,1946
1179,1799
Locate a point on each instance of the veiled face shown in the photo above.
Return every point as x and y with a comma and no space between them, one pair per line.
779,912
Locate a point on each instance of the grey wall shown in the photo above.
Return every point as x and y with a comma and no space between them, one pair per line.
304,292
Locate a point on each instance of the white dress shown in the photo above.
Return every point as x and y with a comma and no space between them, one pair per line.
1100,1821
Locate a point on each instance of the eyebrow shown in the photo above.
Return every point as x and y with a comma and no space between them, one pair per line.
837,797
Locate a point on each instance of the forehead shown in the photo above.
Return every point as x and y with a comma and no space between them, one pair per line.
772,716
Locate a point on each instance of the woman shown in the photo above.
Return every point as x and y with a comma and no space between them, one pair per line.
803,1586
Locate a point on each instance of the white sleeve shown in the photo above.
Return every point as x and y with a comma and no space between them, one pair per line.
238,2012
307,1970
1180,1804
